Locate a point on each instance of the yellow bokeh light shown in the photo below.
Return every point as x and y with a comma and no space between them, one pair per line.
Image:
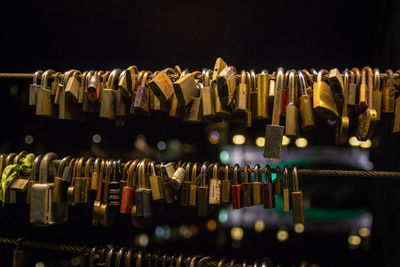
301,142
238,139
354,240
364,232
211,225
299,228
285,141
237,233
353,141
366,144
260,141
282,235
259,226
194,229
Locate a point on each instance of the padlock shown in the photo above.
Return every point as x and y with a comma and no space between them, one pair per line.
58,194
336,84
17,188
78,182
269,194
278,182
367,120
162,86
226,186
21,256
323,102
305,105
272,87
86,182
108,99
156,184
72,87
377,94
41,210
258,186
202,192
355,81
343,123
215,187
185,188
208,97
262,95
99,190
252,99
286,190
388,94
167,171
44,103
247,190
226,81
242,95
140,190
396,119
142,98
110,202
82,86
297,198
177,177
236,188
128,191
34,178
193,187
67,108
195,108
273,131
34,87
292,113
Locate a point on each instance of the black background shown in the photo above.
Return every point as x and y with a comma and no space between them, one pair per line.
154,35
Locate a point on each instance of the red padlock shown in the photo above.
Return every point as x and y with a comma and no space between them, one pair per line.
128,193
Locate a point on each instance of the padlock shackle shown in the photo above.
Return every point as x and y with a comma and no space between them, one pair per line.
253,80
369,83
215,170
321,74
276,113
268,174
65,161
46,75
377,79
36,76
246,173
302,82
292,87
187,177
243,77
125,170
295,179
257,176
286,177
203,173
308,77
45,167
79,168
357,73
226,172
88,164
193,180
36,167
141,174
235,179
346,85
389,82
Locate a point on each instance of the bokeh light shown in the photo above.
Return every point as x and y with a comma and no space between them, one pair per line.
239,139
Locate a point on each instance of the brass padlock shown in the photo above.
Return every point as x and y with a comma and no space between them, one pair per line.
86,182
185,89
68,109
162,86
44,103
126,85
355,81
367,120
292,113
72,87
34,87
108,99
273,131
242,95
34,177
226,186
258,187
195,109
185,188
226,82
156,184
396,119
272,87
202,192
323,102
377,94
343,123
336,84
193,187
58,194
247,189
297,198
98,200
82,86
305,105
208,97
262,95
91,91
388,94
286,190
220,64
